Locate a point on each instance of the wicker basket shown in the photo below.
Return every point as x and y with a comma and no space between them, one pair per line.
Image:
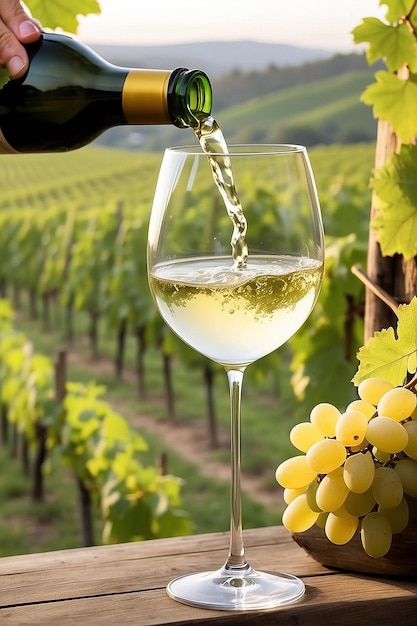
401,560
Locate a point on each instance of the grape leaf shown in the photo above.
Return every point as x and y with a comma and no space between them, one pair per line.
395,186
389,354
390,96
394,44
61,13
396,9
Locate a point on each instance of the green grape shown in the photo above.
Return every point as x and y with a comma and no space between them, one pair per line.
311,496
325,456
324,416
387,488
298,517
411,448
380,455
372,389
303,435
332,491
295,473
398,517
359,472
387,434
290,494
362,447
407,471
340,528
360,504
321,520
398,404
364,407
376,534
351,428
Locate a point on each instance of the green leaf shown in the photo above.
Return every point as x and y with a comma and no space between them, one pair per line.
395,44
390,97
6,315
395,222
388,354
396,9
133,524
320,377
174,524
96,465
116,428
62,13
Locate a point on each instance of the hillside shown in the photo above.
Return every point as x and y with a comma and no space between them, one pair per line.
237,87
214,57
330,107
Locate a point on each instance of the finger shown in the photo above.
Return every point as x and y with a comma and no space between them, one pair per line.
15,18
16,27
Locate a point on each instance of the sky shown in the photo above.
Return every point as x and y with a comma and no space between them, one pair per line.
307,23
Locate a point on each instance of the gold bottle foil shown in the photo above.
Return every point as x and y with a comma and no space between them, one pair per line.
144,97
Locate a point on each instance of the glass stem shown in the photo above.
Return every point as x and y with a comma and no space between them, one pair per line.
236,559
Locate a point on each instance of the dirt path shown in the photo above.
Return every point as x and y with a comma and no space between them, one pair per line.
189,440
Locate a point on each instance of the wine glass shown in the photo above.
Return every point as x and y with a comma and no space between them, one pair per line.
235,274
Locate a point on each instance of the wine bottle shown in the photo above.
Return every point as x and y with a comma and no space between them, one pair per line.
70,95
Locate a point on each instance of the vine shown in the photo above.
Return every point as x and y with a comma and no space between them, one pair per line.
393,97
83,432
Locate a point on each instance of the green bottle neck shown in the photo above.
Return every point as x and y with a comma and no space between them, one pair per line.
189,97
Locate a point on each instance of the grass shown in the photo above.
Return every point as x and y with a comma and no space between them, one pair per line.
27,526
52,525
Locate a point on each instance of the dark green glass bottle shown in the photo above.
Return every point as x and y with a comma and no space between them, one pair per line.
70,95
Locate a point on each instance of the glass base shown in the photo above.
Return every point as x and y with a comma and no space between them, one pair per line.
235,590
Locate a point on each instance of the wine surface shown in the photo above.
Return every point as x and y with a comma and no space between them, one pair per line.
236,315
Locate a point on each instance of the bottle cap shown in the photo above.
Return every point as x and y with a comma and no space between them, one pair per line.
144,97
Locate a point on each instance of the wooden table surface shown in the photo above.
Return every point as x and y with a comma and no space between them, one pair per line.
125,584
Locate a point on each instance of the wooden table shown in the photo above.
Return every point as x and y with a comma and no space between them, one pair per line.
125,584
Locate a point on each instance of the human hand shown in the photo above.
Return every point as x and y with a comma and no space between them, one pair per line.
16,27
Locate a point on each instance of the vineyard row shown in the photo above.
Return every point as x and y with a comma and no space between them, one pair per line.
69,423
87,248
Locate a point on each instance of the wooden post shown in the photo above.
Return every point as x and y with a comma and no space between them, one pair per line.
86,519
60,374
393,275
381,270
40,457
87,528
163,463
123,323
140,360
169,387
42,430
4,424
120,348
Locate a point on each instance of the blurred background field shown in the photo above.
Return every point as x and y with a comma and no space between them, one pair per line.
73,265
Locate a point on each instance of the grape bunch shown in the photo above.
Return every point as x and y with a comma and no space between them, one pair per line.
357,468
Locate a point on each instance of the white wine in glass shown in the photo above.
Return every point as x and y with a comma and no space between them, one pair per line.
235,274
